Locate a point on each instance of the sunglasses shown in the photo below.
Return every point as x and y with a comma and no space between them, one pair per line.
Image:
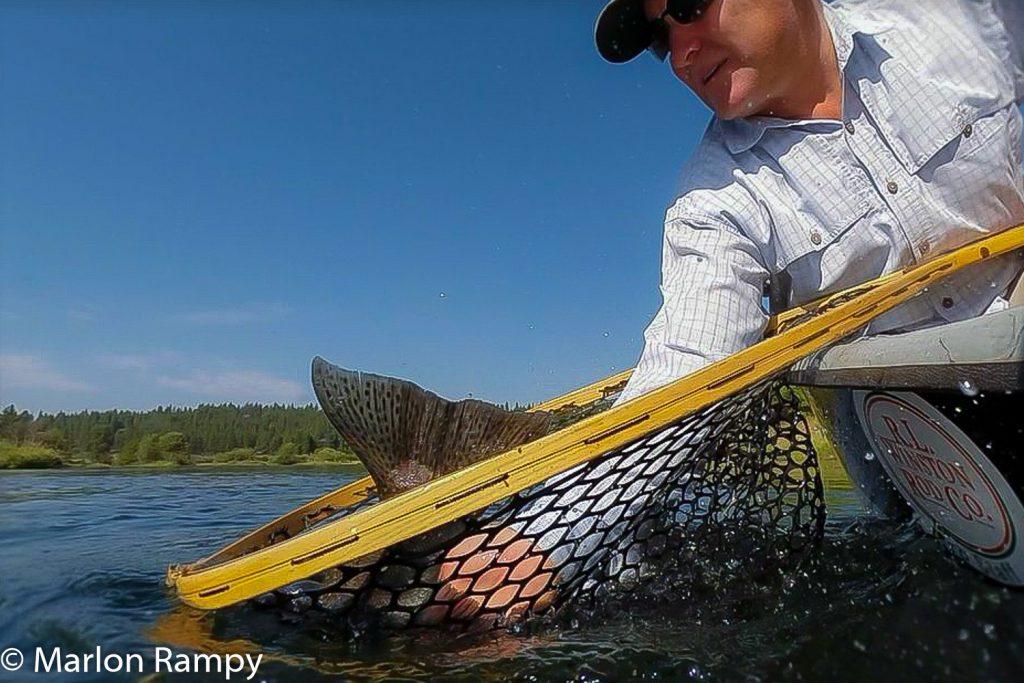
681,11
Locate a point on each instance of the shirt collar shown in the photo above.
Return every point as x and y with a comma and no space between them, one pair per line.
743,133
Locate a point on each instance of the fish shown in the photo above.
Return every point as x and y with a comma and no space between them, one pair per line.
406,436
598,530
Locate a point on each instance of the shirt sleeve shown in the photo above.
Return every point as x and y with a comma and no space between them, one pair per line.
712,283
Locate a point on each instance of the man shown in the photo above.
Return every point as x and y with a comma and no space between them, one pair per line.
849,140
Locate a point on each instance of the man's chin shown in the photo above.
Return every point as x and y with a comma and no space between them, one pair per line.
734,110
742,98
727,112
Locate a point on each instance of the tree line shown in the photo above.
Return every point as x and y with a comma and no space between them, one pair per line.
174,433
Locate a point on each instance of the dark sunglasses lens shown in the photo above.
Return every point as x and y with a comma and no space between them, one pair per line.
687,11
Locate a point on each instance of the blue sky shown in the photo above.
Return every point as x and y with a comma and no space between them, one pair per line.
196,198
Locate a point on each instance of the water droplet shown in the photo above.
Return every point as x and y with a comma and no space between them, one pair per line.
860,646
990,631
963,635
967,388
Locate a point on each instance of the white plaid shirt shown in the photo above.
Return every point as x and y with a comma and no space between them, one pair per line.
925,159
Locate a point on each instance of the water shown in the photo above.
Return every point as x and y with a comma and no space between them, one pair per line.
82,557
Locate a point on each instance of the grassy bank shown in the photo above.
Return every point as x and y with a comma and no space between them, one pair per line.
35,456
28,457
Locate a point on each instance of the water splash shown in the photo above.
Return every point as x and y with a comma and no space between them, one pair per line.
967,388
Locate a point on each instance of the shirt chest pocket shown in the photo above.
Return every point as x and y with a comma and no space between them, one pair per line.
958,135
932,147
976,176
817,199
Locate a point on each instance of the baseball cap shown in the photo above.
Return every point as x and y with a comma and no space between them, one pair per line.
623,31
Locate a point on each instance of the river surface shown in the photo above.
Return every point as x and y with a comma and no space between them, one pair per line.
83,554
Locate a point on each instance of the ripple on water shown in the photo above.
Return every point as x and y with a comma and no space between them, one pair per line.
877,601
859,600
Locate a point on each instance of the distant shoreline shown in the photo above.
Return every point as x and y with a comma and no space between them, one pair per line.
166,465
37,457
168,436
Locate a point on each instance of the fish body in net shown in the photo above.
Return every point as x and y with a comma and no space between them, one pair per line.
717,483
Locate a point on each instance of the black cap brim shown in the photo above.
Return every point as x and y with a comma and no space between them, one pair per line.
622,31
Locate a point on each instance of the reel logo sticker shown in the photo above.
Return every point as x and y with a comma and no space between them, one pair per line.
948,480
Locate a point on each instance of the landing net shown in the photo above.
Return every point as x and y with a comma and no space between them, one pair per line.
735,485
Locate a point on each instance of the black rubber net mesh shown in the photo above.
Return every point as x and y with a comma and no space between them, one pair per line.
732,489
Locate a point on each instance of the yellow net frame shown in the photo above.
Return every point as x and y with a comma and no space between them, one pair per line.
244,569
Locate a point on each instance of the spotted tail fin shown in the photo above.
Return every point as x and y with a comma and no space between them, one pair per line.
406,435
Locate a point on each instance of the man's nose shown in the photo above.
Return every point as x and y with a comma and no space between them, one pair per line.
683,48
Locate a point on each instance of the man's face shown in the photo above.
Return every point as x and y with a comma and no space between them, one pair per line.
735,56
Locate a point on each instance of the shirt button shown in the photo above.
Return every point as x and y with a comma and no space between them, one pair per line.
849,127
968,130
892,187
924,247
815,237
947,302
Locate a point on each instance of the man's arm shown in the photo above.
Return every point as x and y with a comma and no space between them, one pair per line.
712,283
